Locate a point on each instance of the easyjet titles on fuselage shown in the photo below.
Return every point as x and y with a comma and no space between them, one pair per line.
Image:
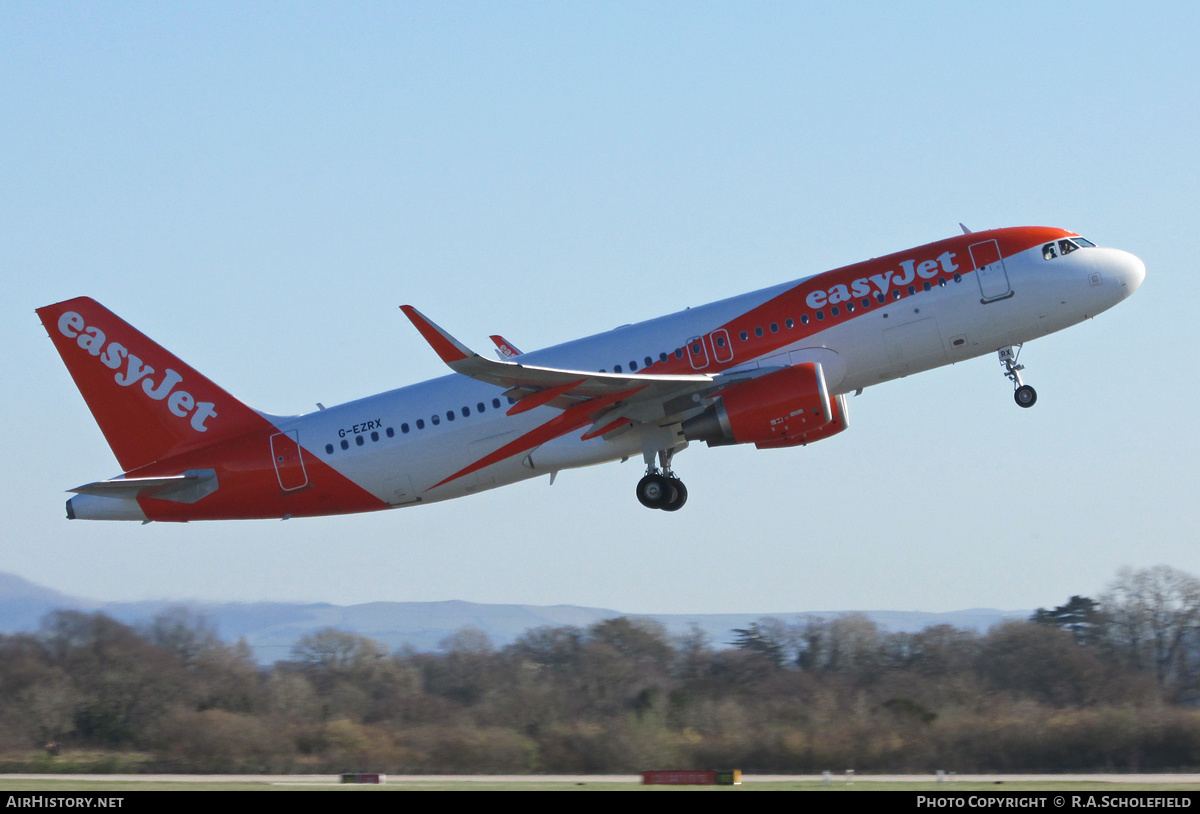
862,287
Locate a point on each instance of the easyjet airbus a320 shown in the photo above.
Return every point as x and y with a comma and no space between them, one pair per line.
770,368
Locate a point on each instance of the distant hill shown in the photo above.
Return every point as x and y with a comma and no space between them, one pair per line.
271,628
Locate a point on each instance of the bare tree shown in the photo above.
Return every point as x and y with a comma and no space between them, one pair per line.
1153,616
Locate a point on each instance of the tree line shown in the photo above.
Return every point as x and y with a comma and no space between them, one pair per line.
1095,684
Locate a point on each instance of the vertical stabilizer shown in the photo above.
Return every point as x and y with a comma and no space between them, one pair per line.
148,403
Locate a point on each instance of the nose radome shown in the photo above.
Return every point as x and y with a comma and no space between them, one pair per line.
1129,271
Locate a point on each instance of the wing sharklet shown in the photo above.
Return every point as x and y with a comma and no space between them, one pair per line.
506,349
444,345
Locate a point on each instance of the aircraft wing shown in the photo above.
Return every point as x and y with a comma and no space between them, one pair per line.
640,396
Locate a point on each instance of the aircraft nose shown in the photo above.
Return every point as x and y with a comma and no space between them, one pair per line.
1128,271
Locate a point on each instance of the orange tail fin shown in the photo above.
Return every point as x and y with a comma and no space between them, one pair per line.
148,403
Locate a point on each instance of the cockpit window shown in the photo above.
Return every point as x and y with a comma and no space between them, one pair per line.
1065,247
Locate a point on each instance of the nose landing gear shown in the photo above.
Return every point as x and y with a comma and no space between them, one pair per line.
661,489
1024,395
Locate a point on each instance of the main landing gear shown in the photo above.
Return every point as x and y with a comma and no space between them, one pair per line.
661,489
1024,395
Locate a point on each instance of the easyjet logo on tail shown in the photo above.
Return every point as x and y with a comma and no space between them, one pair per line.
131,370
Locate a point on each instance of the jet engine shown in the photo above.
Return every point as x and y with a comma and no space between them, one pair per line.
787,408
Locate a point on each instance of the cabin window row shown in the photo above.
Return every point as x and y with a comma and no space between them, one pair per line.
646,362
405,427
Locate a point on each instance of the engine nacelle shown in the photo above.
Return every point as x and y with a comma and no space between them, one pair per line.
785,408
839,423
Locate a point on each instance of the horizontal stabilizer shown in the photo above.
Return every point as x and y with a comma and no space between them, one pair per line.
186,488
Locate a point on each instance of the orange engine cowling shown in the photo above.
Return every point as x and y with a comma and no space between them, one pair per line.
835,426
782,409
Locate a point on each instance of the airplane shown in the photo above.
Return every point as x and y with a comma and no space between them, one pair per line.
771,368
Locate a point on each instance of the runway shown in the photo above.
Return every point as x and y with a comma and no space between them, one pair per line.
837,779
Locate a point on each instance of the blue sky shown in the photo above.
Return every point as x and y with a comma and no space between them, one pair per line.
258,186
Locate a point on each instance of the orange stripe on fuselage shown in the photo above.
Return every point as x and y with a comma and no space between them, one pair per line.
570,419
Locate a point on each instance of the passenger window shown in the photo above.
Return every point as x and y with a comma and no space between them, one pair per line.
774,327
345,444
662,357
479,408
804,319
436,419
420,423
617,369
495,404
820,315
374,435
648,361
789,323
679,353
833,312
632,366
329,449
758,331
449,415
744,336
358,439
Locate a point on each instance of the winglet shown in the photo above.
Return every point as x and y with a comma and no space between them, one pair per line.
445,345
506,349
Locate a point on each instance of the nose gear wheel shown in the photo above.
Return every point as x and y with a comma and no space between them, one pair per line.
1023,394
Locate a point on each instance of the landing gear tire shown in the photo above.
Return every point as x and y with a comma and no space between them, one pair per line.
655,492
1025,396
679,498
